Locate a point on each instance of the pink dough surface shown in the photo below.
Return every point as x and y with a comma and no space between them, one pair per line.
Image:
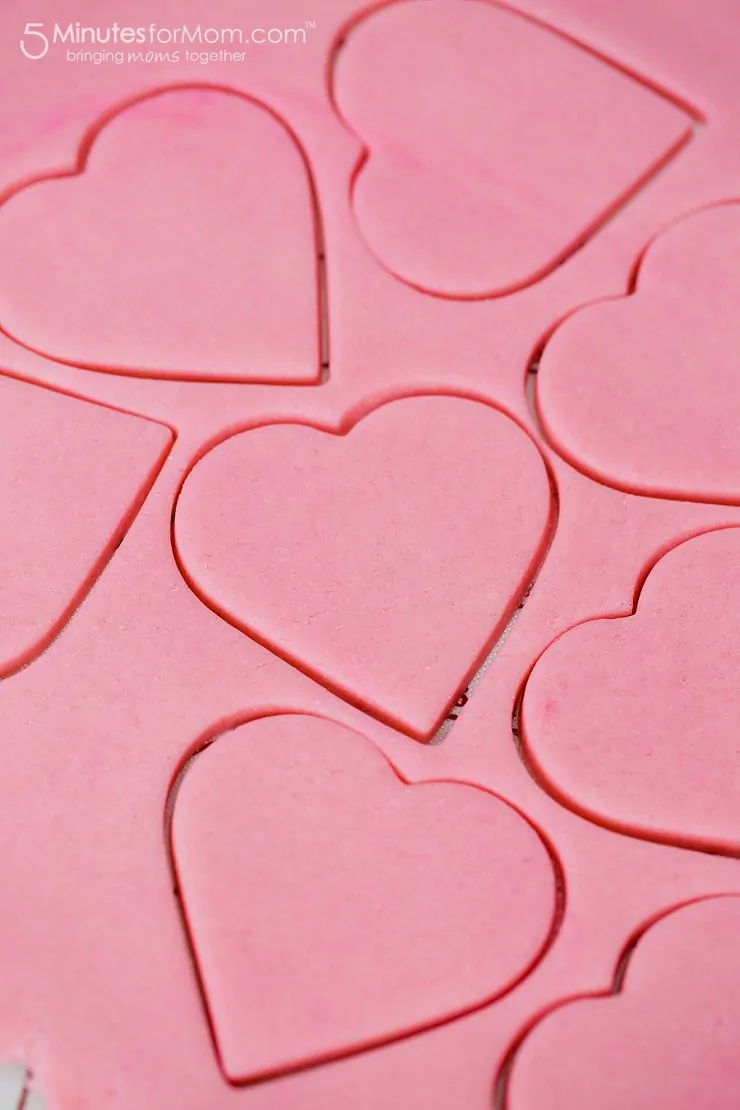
369,555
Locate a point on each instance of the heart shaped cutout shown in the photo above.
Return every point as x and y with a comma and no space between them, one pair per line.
668,1039
73,475
179,249
331,907
494,146
641,392
382,561
654,752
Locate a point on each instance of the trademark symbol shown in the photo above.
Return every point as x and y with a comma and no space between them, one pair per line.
310,24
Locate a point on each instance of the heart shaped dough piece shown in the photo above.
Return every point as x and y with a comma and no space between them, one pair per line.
332,907
494,145
634,721
382,561
72,476
180,250
667,1041
642,392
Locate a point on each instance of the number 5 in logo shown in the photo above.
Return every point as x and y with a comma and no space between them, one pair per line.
42,47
